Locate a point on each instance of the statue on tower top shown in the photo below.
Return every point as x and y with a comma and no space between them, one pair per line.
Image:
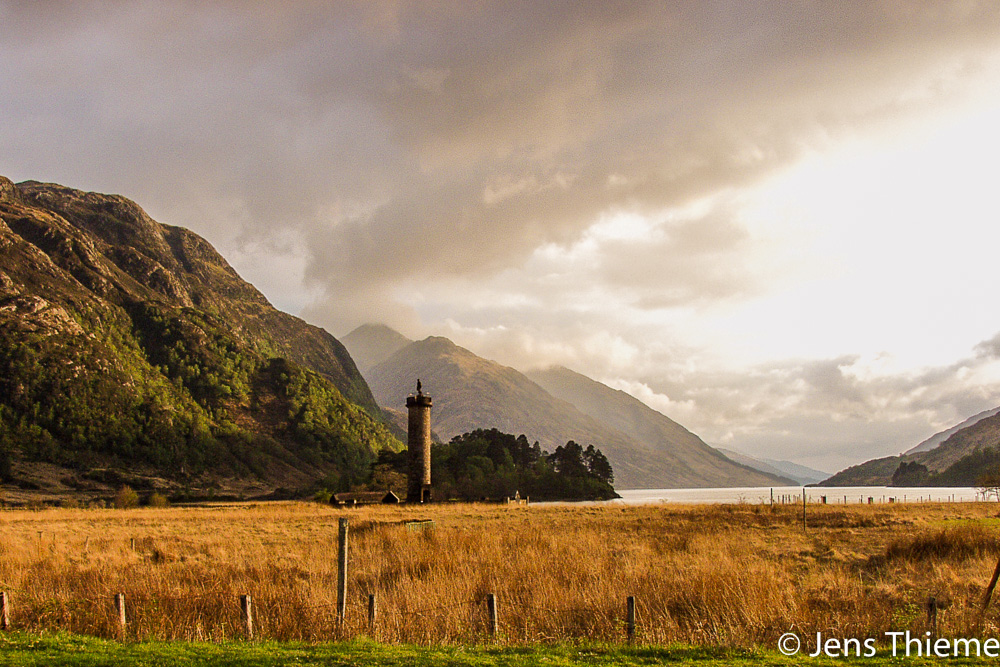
419,390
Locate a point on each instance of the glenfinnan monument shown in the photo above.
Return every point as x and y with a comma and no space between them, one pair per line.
418,442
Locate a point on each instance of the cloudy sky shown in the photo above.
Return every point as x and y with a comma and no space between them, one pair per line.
774,221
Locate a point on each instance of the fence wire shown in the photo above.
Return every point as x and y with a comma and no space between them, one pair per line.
46,607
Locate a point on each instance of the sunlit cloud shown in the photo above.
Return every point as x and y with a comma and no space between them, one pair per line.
772,219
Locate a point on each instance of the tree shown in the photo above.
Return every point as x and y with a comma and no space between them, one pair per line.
598,465
487,463
6,469
568,460
910,474
989,483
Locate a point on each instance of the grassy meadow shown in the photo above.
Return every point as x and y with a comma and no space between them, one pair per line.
731,576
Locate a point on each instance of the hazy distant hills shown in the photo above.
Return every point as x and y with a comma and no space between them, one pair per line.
798,475
954,457
646,449
371,344
131,345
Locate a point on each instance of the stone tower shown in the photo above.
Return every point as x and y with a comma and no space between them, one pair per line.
418,442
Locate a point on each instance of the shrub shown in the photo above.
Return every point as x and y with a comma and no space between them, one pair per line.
126,498
158,500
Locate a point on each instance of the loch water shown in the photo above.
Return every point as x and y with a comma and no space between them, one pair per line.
835,495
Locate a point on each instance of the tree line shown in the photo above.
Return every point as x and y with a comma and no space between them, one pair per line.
489,464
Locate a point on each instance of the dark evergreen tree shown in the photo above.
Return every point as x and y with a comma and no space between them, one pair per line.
598,465
568,460
491,464
910,474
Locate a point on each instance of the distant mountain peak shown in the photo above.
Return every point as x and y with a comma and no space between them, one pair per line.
377,329
796,473
371,344
473,392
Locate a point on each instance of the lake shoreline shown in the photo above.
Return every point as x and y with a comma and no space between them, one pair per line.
850,495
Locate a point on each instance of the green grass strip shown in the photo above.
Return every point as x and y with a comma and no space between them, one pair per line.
28,650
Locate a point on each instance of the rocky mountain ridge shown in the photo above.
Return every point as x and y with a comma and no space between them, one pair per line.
133,347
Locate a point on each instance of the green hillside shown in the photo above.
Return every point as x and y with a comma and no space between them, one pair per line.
130,350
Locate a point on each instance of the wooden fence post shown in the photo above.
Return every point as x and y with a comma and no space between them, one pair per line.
342,571
4,611
371,612
120,608
246,606
803,509
989,589
932,609
630,617
493,613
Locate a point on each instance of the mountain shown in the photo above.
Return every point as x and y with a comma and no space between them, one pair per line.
980,435
659,435
936,439
877,472
800,473
132,347
953,462
797,475
471,392
371,344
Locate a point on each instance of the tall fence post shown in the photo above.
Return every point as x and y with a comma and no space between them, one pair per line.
493,613
803,509
246,606
992,585
342,571
371,612
4,611
120,608
630,617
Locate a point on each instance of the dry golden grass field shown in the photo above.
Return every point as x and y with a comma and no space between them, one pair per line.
734,575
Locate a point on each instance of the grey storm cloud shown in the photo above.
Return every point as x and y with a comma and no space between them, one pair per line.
388,147
401,138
